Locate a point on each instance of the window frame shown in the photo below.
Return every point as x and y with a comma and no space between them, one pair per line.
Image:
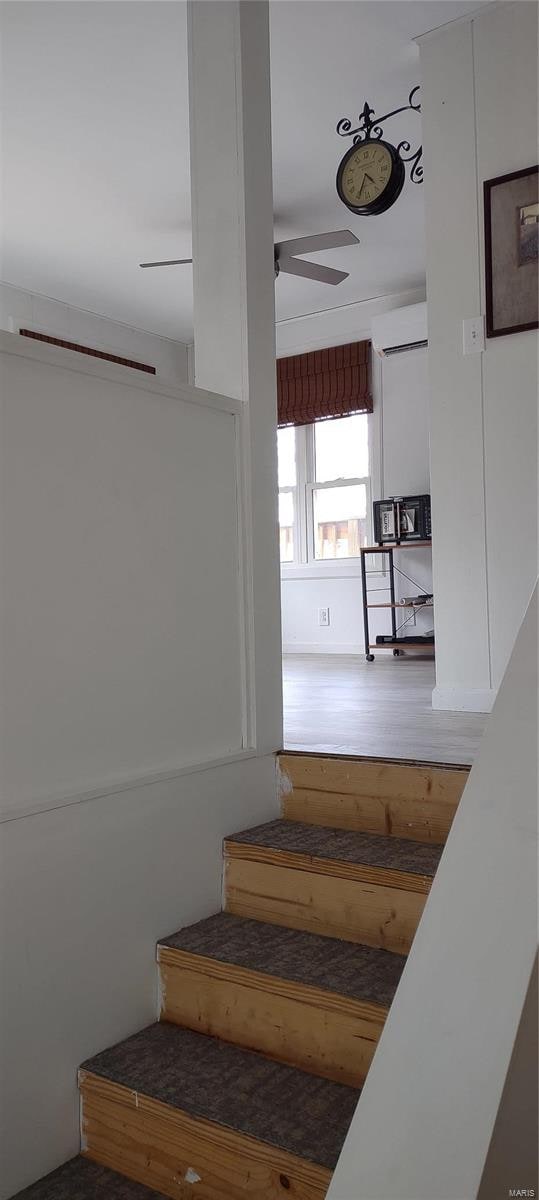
304,564
291,489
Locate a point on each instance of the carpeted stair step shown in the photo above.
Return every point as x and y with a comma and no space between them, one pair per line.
316,1002
400,799
363,887
170,1108
81,1179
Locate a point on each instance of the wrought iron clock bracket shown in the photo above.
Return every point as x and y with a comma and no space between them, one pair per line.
371,126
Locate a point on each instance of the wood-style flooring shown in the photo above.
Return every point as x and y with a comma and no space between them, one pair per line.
345,705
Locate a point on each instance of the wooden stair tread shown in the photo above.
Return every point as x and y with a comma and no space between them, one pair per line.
359,972
342,845
238,1089
80,1179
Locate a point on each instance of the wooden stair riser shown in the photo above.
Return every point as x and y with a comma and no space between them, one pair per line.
159,1146
395,799
322,1032
333,905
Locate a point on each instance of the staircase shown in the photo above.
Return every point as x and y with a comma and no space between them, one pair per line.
271,1010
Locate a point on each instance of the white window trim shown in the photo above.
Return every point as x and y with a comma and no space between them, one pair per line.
305,566
292,490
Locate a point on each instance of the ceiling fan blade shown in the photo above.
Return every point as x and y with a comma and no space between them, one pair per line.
309,270
169,262
317,241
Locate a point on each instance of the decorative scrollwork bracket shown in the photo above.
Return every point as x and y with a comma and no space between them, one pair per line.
370,126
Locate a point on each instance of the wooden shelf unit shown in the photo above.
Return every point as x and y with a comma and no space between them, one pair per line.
394,546
396,644
402,644
399,604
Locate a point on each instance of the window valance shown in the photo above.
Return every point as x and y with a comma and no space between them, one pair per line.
324,384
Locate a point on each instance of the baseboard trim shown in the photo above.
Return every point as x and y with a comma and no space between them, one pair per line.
454,699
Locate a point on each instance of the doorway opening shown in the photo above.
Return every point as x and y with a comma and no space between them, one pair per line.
345,690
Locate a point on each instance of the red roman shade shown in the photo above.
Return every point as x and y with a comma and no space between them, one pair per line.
324,384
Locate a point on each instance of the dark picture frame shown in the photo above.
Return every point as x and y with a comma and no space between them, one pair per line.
511,211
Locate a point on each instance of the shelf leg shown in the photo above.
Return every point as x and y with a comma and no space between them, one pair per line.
392,593
368,655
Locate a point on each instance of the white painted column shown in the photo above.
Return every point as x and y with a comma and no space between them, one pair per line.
463,674
234,303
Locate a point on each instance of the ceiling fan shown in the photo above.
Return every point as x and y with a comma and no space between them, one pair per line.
285,259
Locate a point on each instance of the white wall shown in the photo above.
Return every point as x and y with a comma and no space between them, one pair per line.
479,121
405,423
425,1119
400,465
337,326
25,310
118,503
124,711
86,892
140,632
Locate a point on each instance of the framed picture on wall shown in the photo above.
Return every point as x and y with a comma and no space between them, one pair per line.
511,252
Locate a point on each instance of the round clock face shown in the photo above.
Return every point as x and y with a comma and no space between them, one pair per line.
370,177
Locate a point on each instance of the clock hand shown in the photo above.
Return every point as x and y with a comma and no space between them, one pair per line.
360,186
365,177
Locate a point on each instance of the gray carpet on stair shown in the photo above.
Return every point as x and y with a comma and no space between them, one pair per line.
239,1089
80,1179
360,972
367,849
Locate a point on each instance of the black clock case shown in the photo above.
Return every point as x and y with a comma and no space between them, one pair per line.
389,194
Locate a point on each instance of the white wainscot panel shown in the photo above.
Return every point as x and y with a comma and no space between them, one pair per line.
121,631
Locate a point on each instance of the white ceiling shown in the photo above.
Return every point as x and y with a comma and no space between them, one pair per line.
95,148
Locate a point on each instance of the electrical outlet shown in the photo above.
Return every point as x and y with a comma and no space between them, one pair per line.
323,616
473,336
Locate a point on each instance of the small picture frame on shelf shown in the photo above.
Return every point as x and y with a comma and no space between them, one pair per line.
511,204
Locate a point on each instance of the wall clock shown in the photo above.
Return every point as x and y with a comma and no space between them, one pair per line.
370,177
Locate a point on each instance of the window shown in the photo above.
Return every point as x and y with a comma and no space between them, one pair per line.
324,490
286,525
286,445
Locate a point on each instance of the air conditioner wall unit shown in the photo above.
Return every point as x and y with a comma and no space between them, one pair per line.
399,330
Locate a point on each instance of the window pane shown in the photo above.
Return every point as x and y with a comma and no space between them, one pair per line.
286,526
341,448
340,521
286,450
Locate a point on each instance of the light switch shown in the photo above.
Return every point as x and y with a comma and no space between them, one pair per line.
473,335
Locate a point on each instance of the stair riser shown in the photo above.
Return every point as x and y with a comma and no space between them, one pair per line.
158,1146
326,1034
395,799
410,819
376,915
